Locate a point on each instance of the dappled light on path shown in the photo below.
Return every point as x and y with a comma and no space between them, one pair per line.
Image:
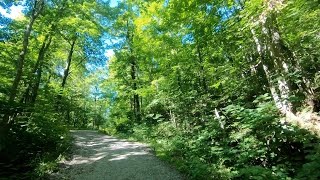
98,156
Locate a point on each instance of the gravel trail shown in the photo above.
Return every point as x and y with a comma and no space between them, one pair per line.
101,157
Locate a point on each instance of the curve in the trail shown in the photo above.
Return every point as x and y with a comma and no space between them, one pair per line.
101,157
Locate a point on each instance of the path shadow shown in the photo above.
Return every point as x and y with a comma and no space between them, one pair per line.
102,157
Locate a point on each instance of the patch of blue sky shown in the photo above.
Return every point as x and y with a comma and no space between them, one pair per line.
166,3
59,70
226,12
111,42
109,53
4,21
114,3
188,39
95,67
13,12
209,8
95,92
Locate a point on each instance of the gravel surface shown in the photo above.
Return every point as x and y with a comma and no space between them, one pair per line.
97,156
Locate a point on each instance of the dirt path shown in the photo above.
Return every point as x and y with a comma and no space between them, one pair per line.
98,157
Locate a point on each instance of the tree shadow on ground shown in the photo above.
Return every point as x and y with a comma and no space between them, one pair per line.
98,156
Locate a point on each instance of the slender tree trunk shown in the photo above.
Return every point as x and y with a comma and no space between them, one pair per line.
68,116
65,77
37,8
203,81
33,86
67,69
179,81
136,99
20,61
173,118
66,74
133,73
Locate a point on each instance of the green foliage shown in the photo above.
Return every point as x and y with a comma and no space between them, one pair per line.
46,84
216,80
310,169
207,83
36,138
253,145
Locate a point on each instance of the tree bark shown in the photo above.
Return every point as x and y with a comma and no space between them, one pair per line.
33,86
279,89
136,98
69,60
279,62
275,61
39,72
133,73
37,8
65,77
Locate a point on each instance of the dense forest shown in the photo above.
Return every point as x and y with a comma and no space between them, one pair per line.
224,89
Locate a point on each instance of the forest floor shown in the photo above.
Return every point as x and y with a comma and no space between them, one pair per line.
98,156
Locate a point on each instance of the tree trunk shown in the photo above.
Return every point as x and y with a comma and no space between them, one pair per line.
65,76
67,69
37,8
173,118
203,81
31,92
136,98
279,62
276,63
133,72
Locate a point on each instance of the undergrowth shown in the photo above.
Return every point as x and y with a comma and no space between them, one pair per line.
37,141
252,144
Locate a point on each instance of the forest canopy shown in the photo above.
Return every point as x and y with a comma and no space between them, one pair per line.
225,89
